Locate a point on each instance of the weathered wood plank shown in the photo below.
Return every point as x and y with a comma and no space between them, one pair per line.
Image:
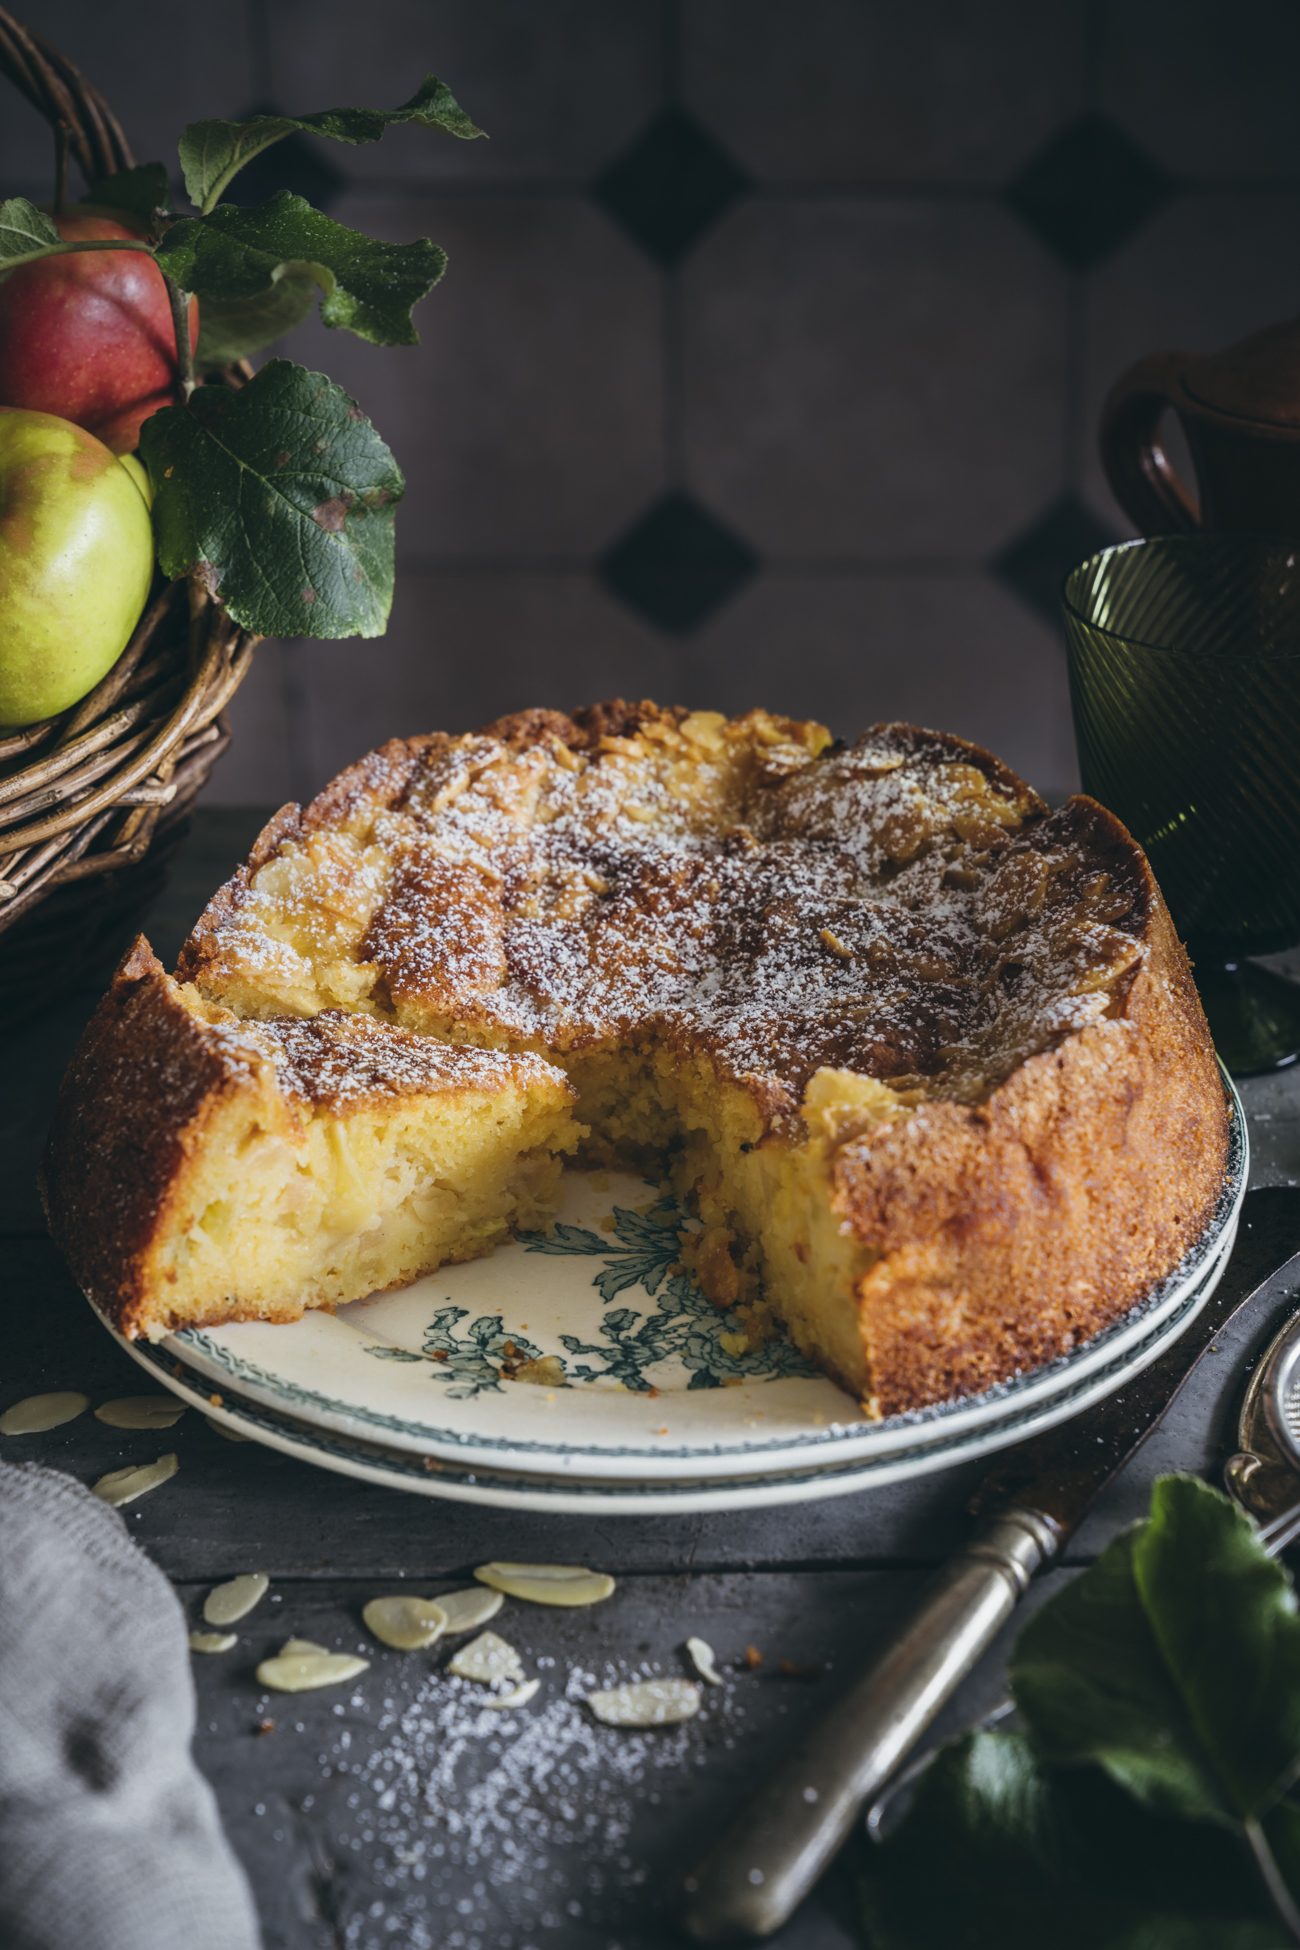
391,1811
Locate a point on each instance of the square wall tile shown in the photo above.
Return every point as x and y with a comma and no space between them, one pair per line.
465,647
873,379
1208,89
118,45
529,419
953,652
1208,270
558,88
260,766
842,92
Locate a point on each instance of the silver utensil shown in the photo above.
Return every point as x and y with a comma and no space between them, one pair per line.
1030,1503
1264,1475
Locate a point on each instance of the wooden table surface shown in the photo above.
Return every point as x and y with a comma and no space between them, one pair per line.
379,1814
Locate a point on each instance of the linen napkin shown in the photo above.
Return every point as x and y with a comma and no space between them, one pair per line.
109,1837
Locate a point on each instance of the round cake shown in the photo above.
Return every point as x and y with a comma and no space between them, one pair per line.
922,1058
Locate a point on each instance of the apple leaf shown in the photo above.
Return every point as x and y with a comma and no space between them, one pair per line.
136,193
212,153
237,257
998,1849
280,496
1173,1663
235,328
24,229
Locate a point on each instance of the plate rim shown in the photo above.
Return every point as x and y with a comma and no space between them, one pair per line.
560,1495
935,1424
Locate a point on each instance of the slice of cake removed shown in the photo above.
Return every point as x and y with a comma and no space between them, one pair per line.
218,1169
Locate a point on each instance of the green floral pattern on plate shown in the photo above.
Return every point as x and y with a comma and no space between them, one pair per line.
632,1348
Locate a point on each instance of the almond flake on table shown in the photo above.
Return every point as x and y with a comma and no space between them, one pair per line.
489,1661
407,1624
466,1610
140,1412
305,1671
36,1414
213,1641
219,1428
646,1703
548,1584
518,1696
125,1485
700,1654
227,1603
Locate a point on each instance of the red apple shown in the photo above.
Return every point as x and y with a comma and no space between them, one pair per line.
89,336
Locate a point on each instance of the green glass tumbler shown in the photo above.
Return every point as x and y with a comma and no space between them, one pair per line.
1185,687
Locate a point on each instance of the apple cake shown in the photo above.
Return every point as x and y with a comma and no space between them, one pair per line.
922,1058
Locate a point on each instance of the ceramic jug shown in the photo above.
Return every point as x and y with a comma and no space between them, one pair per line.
1240,411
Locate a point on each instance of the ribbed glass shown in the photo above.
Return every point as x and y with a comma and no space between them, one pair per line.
1185,687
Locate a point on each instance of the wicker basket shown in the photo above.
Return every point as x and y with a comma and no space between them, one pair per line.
92,801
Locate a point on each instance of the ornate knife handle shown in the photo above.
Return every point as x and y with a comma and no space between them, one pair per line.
764,1866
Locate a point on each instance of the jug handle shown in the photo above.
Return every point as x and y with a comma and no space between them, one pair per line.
1138,469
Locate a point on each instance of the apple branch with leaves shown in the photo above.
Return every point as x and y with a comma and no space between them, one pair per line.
278,495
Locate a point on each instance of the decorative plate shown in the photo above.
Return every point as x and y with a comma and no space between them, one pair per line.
584,1352
568,1493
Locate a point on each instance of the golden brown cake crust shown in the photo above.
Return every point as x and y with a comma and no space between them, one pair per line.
150,1076
749,896
1011,1231
124,1120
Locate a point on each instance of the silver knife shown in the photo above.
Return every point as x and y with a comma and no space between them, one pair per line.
1028,1506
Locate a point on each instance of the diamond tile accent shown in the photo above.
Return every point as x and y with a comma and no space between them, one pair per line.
670,187
841,93
560,85
677,564
1035,561
1087,191
539,635
516,449
794,299
957,649
296,164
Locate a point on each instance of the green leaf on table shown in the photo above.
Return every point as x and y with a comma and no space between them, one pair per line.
1173,1663
212,153
136,193
997,1849
237,260
24,229
281,497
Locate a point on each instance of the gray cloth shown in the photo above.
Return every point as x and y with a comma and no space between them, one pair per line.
109,1837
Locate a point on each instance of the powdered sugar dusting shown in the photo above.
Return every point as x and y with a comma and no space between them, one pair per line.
903,908
337,1058
535,1811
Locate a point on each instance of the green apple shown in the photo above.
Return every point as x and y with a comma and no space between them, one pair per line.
76,562
139,473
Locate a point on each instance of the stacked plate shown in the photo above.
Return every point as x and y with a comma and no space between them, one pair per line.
579,1370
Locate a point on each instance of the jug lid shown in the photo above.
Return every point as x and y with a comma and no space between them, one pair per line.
1256,379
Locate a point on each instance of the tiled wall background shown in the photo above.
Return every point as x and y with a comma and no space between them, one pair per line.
768,362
